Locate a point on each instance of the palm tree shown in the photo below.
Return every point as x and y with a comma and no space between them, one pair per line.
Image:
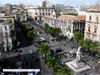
30,34
50,61
87,43
47,27
81,43
77,37
44,49
94,46
56,31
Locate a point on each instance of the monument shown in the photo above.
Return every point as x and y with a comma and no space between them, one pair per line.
77,65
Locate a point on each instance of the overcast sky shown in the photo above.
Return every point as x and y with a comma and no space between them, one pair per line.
36,2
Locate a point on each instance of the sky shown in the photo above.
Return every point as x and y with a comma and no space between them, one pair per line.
36,2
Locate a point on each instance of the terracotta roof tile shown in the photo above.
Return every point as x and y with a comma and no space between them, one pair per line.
70,17
81,17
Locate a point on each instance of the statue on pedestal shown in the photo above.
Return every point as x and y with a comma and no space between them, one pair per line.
77,62
78,54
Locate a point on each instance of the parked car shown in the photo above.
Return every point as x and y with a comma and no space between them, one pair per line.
17,50
17,55
18,44
31,51
58,50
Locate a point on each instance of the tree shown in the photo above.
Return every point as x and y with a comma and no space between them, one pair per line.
77,37
55,31
44,49
81,43
94,46
56,68
58,31
50,61
30,34
74,14
87,44
60,70
47,27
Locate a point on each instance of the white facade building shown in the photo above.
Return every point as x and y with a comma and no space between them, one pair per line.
37,12
7,33
68,24
92,28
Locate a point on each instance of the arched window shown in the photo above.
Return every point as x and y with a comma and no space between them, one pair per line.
89,29
95,30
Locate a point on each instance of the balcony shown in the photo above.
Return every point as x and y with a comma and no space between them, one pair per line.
88,32
94,34
92,22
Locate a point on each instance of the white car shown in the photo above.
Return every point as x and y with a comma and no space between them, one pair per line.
31,51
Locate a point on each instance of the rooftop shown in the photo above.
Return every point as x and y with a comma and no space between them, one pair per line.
4,22
70,17
94,8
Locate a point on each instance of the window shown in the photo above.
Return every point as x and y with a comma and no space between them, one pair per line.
95,29
35,13
40,18
90,18
89,29
43,14
48,13
96,19
35,18
5,28
40,14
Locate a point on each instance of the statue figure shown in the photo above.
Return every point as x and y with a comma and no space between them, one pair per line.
78,54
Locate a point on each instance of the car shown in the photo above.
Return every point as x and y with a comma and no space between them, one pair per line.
30,73
17,50
17,55
18,44
58,50
31,51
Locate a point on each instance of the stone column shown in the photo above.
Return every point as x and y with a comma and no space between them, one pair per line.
71,29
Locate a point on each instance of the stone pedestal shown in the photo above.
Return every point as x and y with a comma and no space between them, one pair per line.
77,64
79,67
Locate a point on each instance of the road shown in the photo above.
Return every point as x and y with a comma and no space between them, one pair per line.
30,61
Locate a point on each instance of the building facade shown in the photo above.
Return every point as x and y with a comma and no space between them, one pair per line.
37,12
68,24
92,28
7,33
20,15
8,7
